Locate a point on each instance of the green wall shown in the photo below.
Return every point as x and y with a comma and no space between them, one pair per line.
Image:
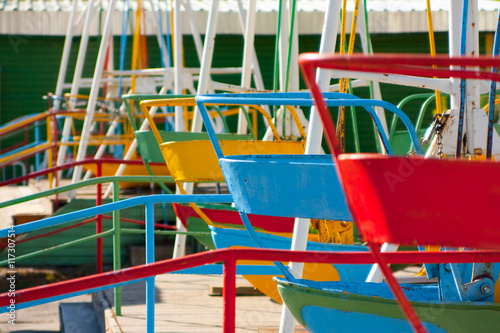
29,66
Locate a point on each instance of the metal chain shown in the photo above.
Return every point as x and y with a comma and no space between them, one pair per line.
435,129
439,145
412,151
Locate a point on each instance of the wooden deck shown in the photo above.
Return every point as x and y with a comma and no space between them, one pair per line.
184,304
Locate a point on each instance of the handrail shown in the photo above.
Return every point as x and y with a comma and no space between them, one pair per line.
95,181
51,142
71,165
115,207
229,257
92,181
21,123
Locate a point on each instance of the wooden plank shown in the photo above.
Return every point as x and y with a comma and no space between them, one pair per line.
216,290
184,304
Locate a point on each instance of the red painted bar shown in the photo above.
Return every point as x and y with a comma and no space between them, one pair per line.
229,256
396,289
198,259
229,293
409,64
98,223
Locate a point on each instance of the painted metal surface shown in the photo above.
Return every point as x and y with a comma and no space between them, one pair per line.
227,238
233,238
287,185
321,306
184,158
395,186
224,216
151,152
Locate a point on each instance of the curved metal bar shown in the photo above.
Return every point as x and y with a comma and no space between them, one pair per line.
258,241
400,105
332,99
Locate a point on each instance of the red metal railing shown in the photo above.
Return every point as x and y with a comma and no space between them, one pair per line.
230,257
98,218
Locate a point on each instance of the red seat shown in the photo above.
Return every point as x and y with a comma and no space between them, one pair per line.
412,200
423,201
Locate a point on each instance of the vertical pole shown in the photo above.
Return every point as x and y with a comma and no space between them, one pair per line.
229,295
294,75
472,86
94,91
98,226
102,147
133,146
257,75
313,145
64,60
374,86
117,247
52,144
454,48
283,45
150,258
178,62
206,60
246,75
203,83
180,240
56,176
75,85
37,141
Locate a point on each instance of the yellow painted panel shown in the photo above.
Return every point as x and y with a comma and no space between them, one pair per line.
196,160
269,287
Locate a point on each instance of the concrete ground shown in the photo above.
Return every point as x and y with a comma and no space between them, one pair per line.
41,318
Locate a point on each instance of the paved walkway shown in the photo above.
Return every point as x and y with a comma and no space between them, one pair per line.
183,304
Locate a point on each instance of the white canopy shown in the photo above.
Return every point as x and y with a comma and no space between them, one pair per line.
50,17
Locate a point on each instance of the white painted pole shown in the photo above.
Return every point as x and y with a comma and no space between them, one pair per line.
178,65
75,85
94,90
367,46
206,60
257,75
156,10
293,69
246,75
283,44
472,86
180,240
133,146
63,67
313,146
454,19
194,30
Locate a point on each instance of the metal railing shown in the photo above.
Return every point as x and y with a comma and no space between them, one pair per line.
229,257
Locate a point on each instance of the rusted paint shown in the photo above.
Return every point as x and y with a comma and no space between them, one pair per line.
334,232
